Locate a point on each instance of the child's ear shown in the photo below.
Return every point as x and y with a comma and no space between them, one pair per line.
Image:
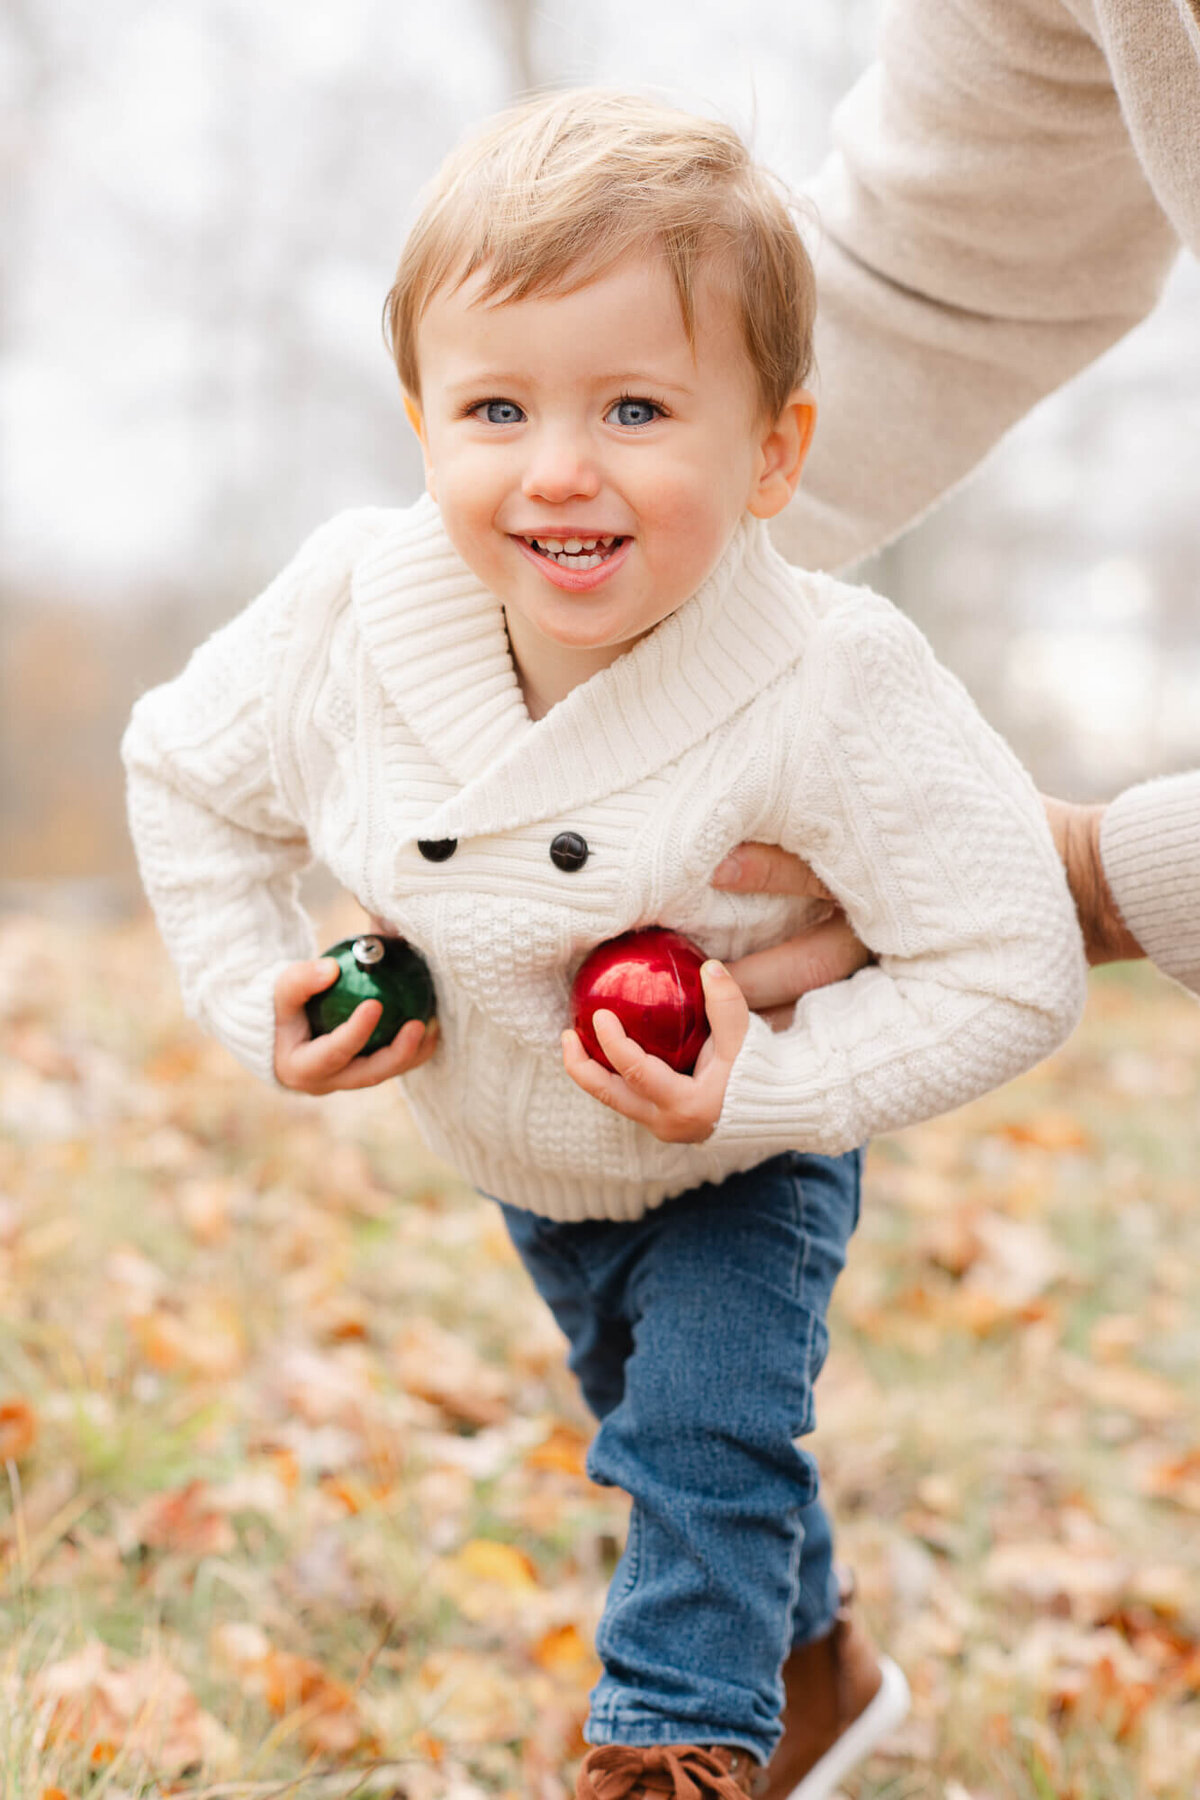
417,420
781,455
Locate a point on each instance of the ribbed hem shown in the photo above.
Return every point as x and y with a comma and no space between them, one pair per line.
1150,847
571,1199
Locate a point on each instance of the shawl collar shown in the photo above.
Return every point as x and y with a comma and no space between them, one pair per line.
436,639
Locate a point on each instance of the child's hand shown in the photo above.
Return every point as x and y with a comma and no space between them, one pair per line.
679,1109
323,1065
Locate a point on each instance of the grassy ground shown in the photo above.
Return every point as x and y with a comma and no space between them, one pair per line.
292,1496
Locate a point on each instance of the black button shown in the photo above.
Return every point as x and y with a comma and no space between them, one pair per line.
437,849
569,851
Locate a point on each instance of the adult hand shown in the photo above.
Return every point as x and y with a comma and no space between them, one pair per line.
1076,832
328,1064
678,1109
773,980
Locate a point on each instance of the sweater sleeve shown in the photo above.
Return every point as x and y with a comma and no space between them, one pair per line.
986,230
218,846
1150,846
931,835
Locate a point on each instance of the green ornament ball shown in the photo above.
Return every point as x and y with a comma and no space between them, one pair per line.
374,968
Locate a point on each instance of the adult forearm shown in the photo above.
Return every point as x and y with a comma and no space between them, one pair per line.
1076,831
986,230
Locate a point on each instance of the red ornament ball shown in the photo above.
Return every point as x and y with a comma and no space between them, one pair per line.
651,980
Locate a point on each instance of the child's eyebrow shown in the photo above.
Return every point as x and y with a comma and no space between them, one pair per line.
646,378
489,377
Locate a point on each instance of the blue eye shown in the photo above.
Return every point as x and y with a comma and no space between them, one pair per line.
635,412
499,412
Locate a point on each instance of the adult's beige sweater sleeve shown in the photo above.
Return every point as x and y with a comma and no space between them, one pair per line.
985,230
1150,846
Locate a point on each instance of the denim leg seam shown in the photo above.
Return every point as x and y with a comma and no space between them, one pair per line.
800,1275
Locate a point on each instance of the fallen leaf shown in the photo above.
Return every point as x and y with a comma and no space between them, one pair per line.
563,1450
487,1580
329,1723
483,1559
1176,1479
445,1370
182,1520
205,1340
564,1651
18,1430
1048,1574
145,1709
1047,1130
1018,1261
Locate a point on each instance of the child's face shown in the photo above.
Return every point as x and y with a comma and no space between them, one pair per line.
587,416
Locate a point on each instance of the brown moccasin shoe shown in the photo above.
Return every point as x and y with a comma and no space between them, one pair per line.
840,1699
675,1771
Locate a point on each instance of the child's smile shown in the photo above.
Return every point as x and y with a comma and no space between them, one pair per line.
591,463
578,561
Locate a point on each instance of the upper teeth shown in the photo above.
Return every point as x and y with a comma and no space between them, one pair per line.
570,546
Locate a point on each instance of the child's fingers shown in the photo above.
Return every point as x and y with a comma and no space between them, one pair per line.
648,1076
321,1058
299,981
332,1063
601,1083
728,1013
412,1045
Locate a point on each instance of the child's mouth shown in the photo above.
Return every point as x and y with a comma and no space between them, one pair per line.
576,553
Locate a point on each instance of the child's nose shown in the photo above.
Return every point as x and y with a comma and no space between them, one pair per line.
561,467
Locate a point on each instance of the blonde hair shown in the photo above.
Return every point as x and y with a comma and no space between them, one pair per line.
554,192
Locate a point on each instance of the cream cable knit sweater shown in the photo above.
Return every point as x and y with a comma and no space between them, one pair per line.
1012,182
367,700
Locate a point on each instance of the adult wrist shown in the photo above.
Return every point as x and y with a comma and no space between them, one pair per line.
1106,935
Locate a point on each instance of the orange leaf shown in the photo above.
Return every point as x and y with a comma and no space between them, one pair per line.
332,1726
1047,1131
183,1519
144,1709
563,1450
18,1430
563,1651
285,1465
207,1342
349,1492
483,1559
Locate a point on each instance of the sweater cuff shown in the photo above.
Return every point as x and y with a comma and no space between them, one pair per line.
1150,848
770,1106
245,1021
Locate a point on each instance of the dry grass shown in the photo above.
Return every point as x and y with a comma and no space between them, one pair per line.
293,1501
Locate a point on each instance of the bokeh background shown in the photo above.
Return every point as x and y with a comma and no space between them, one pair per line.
205,203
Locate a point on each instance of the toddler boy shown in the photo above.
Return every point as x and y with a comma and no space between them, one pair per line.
535,710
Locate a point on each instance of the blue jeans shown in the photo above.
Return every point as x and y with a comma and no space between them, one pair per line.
697,1333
